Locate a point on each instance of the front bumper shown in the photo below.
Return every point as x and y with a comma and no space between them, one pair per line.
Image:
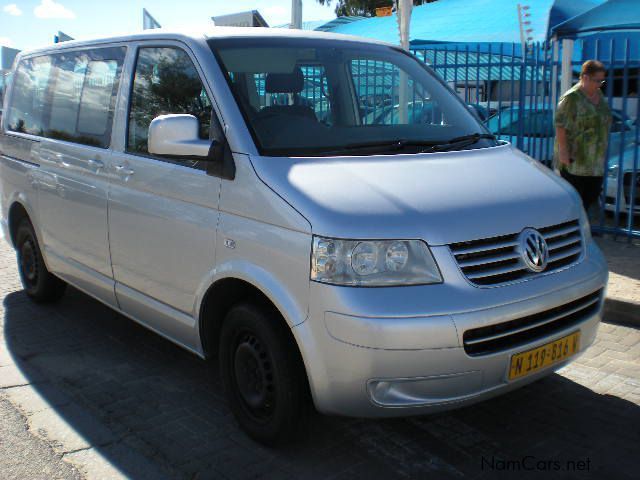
373,352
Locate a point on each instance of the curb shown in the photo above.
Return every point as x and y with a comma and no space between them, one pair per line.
621,312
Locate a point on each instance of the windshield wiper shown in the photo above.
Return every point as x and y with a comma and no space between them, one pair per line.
458,142
384,146
379,146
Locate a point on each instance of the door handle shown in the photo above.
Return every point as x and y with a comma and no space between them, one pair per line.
97,164
124,170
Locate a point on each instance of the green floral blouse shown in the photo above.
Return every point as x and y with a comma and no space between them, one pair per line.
587,127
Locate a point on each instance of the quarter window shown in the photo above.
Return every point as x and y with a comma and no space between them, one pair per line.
165,82
26,112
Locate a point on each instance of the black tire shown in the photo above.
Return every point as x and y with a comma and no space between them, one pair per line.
39,284
263,375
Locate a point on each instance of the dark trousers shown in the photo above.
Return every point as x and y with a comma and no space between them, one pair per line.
589,188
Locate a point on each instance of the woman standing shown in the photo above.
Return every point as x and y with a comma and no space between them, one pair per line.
582,126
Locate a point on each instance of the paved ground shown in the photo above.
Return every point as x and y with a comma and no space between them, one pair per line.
90,387
24,456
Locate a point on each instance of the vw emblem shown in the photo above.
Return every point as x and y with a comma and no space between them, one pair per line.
534,250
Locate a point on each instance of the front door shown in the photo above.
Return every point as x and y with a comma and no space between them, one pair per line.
162,213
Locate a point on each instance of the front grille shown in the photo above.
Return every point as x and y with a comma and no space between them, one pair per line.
506,335
496,260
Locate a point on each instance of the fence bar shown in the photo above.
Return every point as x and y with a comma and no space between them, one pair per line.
511,94
500,80
625,94
612,61
633,183
477,73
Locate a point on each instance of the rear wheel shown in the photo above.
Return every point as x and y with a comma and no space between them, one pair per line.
262,374
38,282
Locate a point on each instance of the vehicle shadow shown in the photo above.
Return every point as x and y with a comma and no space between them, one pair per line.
622,257
145,395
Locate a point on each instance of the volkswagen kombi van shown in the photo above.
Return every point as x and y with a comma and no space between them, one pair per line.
232,192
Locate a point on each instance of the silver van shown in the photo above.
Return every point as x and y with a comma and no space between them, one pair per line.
233,192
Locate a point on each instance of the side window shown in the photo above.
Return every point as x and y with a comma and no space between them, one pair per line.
30,82
165,82
68,96
377,85
85,86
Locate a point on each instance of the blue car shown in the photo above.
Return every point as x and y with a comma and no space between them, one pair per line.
539,131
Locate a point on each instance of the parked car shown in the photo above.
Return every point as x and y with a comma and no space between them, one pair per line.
624,163
539,131
419,111
367,270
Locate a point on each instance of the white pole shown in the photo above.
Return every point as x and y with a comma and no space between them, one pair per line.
296,14
523,43
566,75
554,73
403,11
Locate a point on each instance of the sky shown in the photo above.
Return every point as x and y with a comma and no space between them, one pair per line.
26,24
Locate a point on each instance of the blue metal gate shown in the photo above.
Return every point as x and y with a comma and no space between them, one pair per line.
515,90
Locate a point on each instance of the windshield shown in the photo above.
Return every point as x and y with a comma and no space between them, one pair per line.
324,97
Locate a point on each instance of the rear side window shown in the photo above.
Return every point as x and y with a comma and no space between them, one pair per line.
28,100
166,81
68,96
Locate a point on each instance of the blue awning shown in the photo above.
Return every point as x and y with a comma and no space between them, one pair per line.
614,15
465,21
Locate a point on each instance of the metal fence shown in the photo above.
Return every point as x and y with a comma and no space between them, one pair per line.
515,90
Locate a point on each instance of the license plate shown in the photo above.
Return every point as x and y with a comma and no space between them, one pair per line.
531,361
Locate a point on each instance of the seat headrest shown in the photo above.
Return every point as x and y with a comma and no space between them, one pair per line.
285,82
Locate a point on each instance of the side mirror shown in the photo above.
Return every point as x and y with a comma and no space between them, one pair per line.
177,136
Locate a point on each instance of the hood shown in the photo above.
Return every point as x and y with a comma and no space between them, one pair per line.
441,198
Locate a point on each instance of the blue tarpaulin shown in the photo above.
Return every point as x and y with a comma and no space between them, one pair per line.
614,15
471,21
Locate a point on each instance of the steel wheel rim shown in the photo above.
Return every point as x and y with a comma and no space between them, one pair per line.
29,262
253,377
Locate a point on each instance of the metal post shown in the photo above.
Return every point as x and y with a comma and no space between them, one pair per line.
566,70
522,99
554,73
404,8
296,14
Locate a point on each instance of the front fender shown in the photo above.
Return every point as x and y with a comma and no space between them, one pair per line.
293,310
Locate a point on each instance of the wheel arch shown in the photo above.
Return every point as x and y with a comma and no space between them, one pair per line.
17,212
219,298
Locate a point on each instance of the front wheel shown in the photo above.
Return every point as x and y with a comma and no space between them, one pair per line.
262,374
39,284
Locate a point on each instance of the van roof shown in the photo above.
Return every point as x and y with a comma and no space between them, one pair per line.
210,33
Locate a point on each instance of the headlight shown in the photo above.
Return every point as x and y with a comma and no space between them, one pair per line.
612,171
373,263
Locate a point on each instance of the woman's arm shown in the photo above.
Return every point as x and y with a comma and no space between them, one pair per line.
563,149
